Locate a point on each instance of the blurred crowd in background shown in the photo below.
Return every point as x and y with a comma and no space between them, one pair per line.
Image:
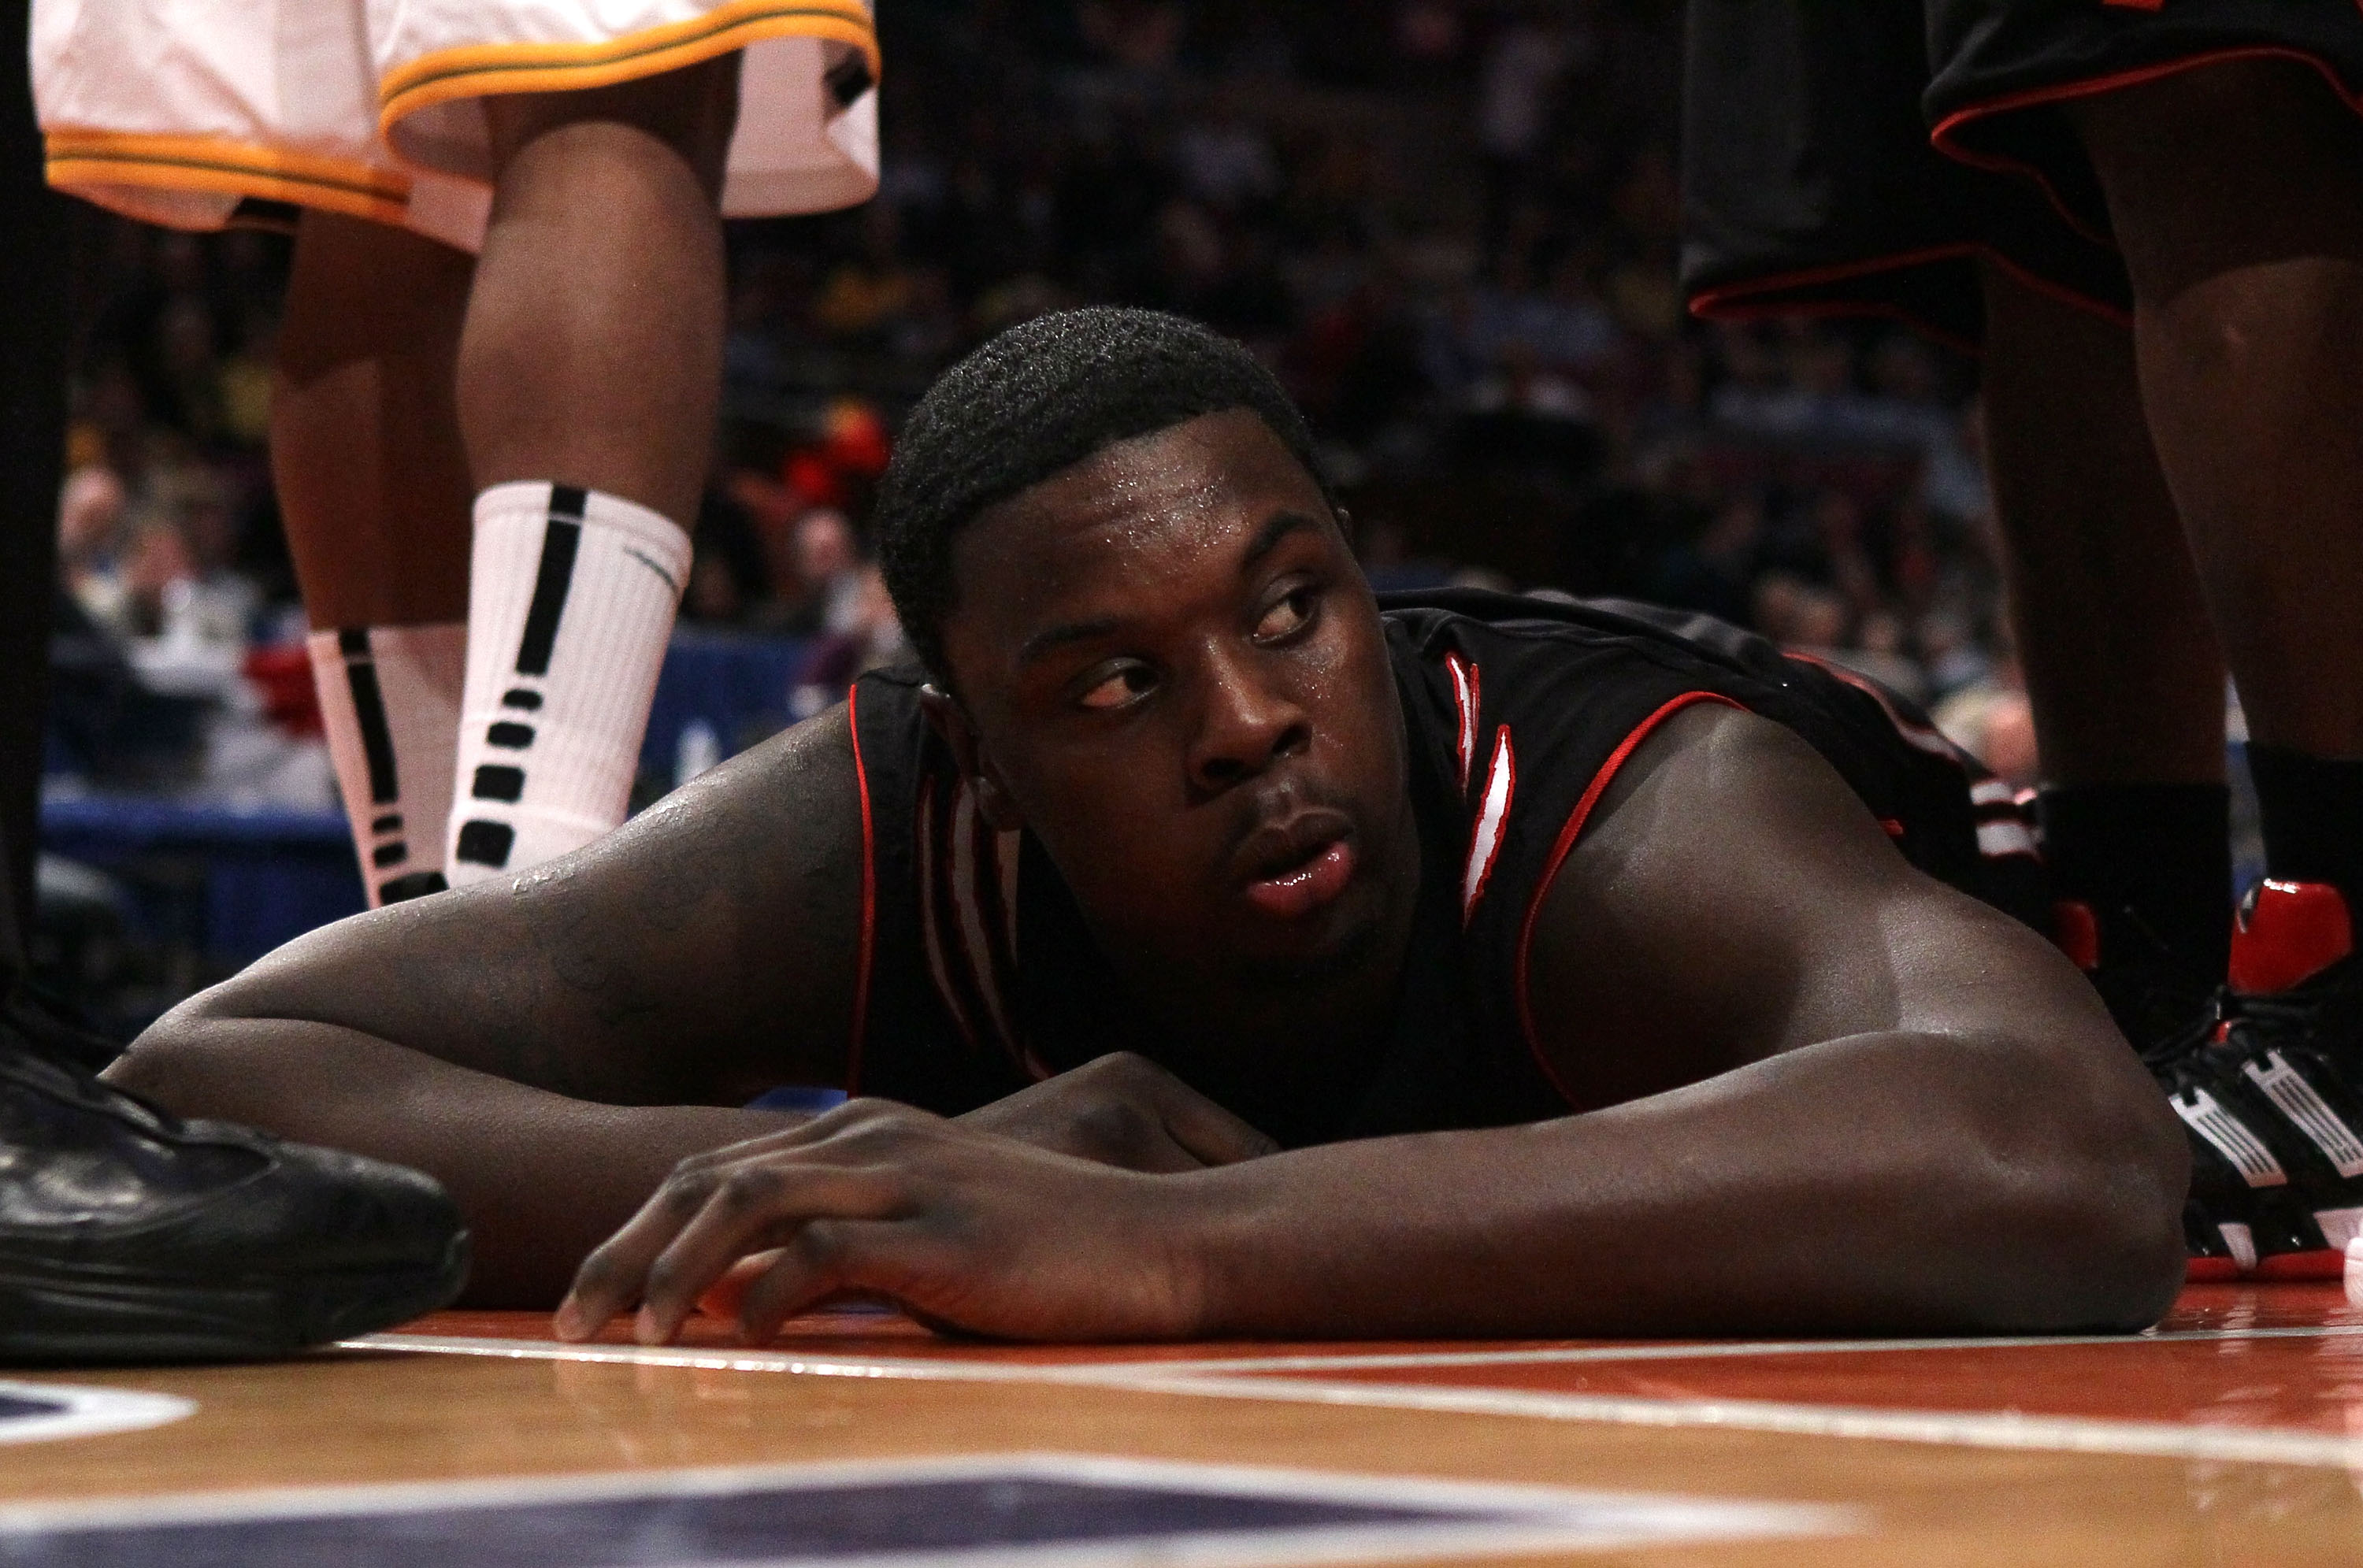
1450,225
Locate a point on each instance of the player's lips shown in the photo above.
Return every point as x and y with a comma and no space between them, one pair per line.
1300,864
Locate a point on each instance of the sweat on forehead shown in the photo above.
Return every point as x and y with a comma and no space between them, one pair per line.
1033,401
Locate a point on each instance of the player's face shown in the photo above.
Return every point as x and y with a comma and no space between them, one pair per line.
1176,678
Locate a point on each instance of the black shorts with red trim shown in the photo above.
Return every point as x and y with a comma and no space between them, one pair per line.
1813,183
2005,66
1810,187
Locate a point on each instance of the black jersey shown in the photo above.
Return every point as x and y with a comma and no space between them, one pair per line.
979,977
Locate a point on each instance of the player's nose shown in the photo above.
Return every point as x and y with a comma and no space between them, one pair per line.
1246,723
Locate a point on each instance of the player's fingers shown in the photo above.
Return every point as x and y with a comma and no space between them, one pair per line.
722,1297
609,1278
826,1257
756,1205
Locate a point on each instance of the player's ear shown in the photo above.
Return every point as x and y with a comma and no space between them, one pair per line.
951,722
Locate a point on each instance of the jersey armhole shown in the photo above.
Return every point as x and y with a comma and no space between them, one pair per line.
868,901
1560,849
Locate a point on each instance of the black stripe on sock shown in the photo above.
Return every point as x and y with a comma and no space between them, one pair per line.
493,783
518,697
513,737
485,844
392,853
416,885
369,713
353,642
558,543
390,822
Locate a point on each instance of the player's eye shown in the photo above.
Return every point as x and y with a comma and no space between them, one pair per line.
1117,686
1285,615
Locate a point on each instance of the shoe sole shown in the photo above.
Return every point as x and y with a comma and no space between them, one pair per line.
52,1317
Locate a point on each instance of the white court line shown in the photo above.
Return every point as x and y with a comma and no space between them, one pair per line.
1407,1360
757,1360
906,1367
2065,1434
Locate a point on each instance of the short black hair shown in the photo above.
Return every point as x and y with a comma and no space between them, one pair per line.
1033,400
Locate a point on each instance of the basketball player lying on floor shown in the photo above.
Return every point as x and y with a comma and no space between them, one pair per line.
1473,966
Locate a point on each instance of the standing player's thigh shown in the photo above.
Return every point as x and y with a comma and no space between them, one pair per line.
2003,68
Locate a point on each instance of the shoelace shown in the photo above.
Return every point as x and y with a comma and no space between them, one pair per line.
2182,1061
2234,1031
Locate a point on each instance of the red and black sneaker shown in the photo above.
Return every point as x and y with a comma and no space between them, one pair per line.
2168,1007
2272,1093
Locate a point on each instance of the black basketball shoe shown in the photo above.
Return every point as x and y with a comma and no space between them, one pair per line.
2170,1009
127,1235
2272,1092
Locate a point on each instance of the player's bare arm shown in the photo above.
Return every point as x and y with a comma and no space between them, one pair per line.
1852,1099
549,1048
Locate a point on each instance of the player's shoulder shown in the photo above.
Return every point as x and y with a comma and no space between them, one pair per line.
1553,631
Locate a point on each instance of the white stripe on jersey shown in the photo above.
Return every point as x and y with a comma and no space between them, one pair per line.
1485,842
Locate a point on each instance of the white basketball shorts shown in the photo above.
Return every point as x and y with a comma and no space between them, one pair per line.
176,111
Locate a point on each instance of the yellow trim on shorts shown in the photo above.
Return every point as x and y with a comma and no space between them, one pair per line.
481,69
78,158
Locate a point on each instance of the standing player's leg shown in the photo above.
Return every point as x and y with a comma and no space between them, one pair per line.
2236,190
2236,193
589,375
2123,669
374,491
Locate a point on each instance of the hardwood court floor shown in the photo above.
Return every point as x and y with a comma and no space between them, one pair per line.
2231,1435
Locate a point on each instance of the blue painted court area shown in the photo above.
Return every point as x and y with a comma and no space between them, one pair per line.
1018,1508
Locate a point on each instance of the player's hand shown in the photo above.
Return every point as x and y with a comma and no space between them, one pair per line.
1124,1109
961,1226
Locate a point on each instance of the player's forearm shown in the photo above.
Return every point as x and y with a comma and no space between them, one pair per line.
540,1177
1877,1183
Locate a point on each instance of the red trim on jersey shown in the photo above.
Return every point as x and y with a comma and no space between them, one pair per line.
1912,732
1559,851
868,899
1941,137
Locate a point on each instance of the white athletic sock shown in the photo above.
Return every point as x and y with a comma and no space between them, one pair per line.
570,602
390,698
